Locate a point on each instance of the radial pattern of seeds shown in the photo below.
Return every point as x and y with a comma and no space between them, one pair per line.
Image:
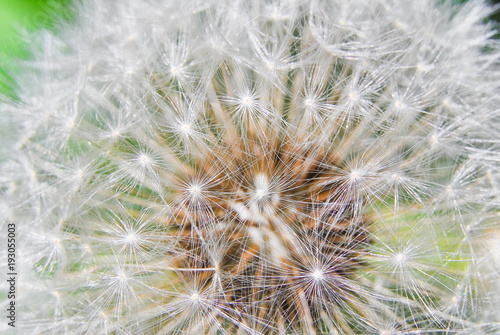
257,168
258,219
256,213
265,201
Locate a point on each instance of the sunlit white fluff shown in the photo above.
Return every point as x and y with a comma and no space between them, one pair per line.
252,167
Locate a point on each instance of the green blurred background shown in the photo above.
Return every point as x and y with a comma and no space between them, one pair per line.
16,15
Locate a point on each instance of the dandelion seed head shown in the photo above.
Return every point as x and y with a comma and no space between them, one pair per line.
257,168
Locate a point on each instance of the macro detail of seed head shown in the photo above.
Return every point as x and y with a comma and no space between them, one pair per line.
257,167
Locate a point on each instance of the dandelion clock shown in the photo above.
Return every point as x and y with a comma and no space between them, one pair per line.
255,167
